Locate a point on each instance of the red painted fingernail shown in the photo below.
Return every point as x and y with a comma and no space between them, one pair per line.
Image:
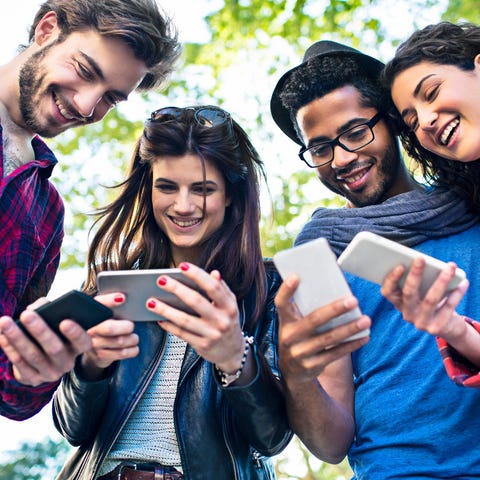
151,304
184,266
162,281
118,299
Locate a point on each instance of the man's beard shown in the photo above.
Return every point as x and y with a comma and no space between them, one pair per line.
30,86
388,170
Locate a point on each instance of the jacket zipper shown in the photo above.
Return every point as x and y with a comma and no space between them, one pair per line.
224,412
181,379
227,443
256,459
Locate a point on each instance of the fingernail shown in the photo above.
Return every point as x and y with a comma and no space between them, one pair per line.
118,299
69,328
151,304
162,281
362,322
349,302
8,328
184,266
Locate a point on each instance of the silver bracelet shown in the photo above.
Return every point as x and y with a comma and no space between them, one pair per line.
228,378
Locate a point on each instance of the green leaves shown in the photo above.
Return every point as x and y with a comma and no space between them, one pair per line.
34,461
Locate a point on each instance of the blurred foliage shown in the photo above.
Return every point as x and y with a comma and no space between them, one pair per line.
93,156
462,10
291,209
34,461
296,463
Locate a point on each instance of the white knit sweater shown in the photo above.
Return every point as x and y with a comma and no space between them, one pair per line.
149,435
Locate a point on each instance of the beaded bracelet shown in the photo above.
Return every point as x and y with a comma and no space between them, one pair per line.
228,378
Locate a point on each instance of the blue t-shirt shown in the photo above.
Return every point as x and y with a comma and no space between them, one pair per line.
412,420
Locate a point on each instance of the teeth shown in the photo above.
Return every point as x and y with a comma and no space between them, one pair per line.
185,223
448,131
63,111
354,178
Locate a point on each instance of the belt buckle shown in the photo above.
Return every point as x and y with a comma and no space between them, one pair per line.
148,467
123,465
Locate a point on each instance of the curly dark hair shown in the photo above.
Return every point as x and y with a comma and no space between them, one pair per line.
443,43
323,74
128,235
140,24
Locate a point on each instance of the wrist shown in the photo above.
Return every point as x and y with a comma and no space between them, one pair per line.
89,370
229,377
458,330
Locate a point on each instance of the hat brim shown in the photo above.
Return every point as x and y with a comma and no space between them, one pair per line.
281,115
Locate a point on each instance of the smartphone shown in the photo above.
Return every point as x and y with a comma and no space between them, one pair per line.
371,256
138,286
77,306
321,280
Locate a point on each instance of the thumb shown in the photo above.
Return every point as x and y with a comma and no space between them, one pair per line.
284,299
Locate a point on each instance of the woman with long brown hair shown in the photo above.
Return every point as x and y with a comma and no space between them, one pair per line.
202,398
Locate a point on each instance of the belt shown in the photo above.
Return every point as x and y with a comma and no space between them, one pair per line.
142,471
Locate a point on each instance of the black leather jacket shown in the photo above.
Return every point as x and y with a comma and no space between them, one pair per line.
223,433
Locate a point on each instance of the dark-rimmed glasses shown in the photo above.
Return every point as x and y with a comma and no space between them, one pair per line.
207,116
350,140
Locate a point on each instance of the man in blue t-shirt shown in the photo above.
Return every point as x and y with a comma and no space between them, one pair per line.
385,400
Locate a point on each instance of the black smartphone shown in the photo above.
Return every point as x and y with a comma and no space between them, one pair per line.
77,306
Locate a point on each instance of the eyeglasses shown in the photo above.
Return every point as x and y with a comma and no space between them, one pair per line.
209,116
350,140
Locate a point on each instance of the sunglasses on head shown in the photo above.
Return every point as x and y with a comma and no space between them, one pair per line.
209,116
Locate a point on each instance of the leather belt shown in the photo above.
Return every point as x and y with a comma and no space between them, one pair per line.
142,471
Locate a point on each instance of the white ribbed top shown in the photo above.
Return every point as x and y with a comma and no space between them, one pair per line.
149,435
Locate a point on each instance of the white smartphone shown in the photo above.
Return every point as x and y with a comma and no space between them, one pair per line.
371,256
138,286
321,280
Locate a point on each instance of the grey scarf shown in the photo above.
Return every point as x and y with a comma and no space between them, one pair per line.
409,218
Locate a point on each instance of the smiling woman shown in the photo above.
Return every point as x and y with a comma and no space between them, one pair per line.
435,83
190,199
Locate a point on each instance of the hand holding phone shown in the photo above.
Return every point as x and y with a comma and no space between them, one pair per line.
321,280
138,286
77,306
372,257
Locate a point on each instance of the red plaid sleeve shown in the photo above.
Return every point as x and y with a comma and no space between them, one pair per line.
31,214
17,401
458,368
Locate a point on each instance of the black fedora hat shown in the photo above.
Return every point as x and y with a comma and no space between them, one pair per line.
281,115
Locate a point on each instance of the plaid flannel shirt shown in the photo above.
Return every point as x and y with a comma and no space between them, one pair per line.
31,212
459,369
